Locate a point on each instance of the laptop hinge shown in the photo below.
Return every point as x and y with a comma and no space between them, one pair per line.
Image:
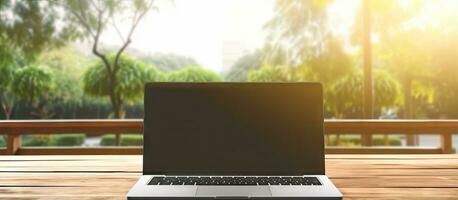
232,197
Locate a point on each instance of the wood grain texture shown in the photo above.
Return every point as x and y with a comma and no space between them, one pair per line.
124,126
365,128
136,126
359,177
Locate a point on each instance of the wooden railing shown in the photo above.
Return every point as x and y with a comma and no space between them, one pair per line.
365,128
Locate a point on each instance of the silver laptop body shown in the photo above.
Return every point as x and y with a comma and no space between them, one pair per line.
233,141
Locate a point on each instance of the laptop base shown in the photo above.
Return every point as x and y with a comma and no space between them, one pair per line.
143,191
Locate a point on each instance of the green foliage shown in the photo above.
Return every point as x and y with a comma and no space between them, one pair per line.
293,19
193,74
54,140
330,65
352,141
2,141
94,17
7,70
240,69
273,74
445,79
32,82
131,78
86,18
168,62
379,141
132,140
126,140
348,141
68,140
268,55
68,64
346,98
29,36
410,62
387,90
108,140
6,74
7,67
36,140
388,16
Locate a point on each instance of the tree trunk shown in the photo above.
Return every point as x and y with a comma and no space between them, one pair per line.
115,102
412,140
368,102
8,110
408,100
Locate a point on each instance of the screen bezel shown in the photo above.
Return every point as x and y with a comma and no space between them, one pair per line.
303,87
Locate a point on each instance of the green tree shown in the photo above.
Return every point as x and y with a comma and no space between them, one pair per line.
68,65
410,62
383,19
445,62
27,28
131,78
295,18
33,26
33,84
241,68
7,69
273,74
328,67
93,17
270,55
168,62
193,74
387,18
346,100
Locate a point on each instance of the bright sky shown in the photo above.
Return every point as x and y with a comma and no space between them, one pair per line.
217,32
214,32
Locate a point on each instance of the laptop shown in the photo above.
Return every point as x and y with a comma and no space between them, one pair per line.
233,141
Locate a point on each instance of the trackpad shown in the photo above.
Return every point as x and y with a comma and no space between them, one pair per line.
233,191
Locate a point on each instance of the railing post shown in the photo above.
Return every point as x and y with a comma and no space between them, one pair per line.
366,139
386,140
117,139
412,140
446,142
13,144
326,139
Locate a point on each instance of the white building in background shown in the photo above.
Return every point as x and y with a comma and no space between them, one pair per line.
231,51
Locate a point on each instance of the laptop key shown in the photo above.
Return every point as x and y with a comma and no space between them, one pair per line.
238,180
156,180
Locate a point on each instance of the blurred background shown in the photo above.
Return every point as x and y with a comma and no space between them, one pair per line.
89,59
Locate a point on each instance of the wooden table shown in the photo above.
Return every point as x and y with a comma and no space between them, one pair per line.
110,177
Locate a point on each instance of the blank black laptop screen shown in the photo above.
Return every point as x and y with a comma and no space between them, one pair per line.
233,129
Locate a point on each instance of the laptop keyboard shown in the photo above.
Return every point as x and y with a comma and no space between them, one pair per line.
236,180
